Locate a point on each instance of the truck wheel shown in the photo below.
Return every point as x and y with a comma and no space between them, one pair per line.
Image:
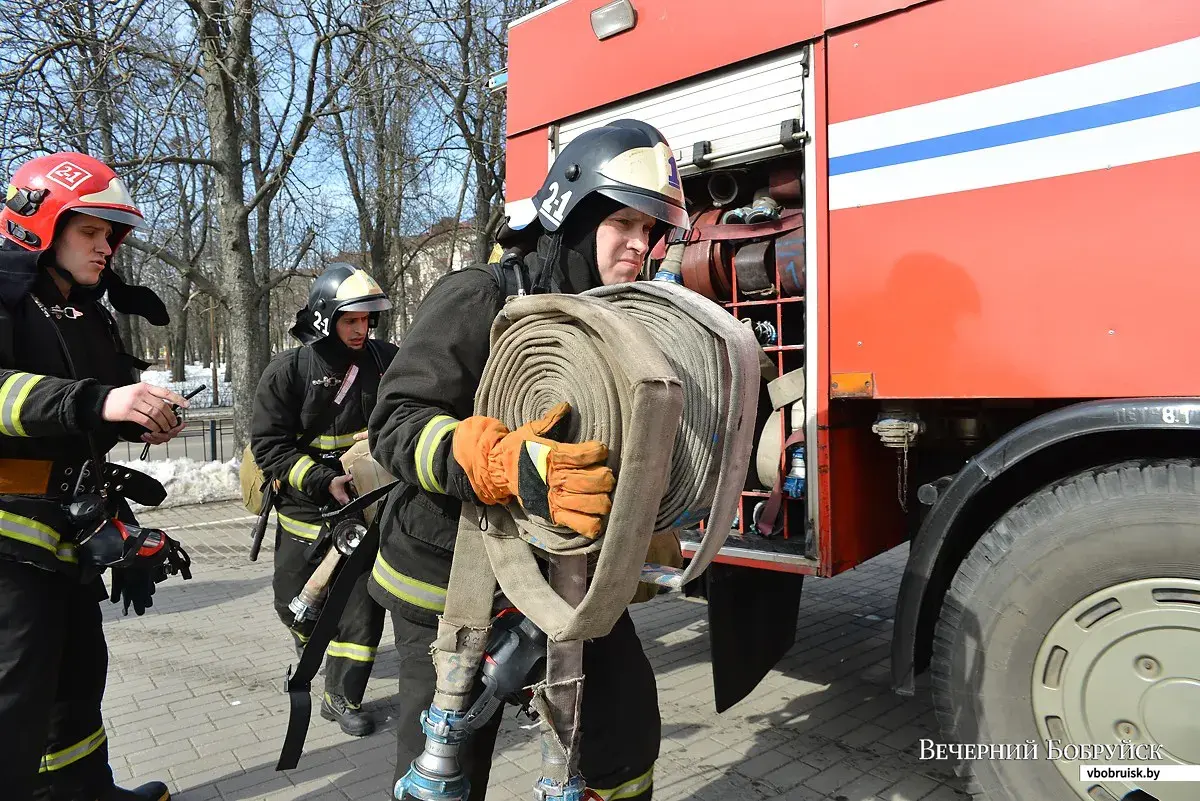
1075,621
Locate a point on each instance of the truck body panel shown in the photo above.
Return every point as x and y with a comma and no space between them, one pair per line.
555,60
995,326
998,206
1001,195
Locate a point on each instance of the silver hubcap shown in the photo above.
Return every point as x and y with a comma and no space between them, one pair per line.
1124,664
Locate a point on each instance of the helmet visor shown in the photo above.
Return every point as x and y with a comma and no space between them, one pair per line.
112,203
367,305
112,215
653,205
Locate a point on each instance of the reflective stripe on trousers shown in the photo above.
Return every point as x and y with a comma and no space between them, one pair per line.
630,789
408,589
33,532
305,531
427,444
72,754
349,650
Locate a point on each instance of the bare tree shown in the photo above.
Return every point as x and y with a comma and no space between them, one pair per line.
209,108
465,44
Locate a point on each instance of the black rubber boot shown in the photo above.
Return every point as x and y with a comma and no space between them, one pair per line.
151,791
349,716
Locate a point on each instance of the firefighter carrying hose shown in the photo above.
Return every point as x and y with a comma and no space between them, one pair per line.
68,392
323,393
608,194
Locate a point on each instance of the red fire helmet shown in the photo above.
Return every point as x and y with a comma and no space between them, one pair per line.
44,188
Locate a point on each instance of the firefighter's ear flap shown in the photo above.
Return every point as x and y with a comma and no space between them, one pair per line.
138,300
302,329
17,272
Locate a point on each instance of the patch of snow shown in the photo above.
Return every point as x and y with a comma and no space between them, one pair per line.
194,376
188,481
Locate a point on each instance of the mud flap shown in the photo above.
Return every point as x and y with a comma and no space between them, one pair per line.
752,617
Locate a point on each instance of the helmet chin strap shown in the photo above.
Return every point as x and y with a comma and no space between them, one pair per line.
551,265
71,281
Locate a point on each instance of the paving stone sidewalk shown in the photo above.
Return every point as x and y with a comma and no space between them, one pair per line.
195,696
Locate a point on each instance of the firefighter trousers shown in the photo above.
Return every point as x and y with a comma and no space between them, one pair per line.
53,666
620,721
351,654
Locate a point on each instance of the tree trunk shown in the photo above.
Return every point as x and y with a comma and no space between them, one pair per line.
379,268
137,345
262,228
484,196
227,376
179,334
205,339
246,359
400,302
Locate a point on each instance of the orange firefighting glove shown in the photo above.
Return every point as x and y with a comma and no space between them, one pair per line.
566,483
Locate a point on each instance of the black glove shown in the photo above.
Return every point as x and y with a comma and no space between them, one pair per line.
177,561
135,585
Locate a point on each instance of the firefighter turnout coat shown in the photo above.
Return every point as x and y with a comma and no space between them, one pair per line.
299,385
53,656
45,413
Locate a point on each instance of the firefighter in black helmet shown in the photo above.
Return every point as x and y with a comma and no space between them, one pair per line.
329,383
608,195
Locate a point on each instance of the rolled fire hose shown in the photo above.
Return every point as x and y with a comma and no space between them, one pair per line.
669,381
717,359
787,390
367,474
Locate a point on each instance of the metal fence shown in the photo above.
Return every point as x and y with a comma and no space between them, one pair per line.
207,439
204,400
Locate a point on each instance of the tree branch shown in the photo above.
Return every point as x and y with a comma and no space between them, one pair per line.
205,284
184,160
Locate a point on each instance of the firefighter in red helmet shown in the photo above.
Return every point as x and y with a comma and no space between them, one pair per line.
68,392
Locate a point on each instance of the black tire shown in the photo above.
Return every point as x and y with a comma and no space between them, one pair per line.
1094,530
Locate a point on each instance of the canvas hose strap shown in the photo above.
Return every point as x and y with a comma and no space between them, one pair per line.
298,683
375,483
774,443
669,382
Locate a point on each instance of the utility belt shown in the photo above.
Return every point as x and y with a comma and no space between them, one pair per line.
73,526
65,480
41,478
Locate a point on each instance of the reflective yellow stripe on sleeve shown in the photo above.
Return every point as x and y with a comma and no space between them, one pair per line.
305,531
349,650
336,442
299,471
33,532
630,789
13,393
408,589
72,754
427,444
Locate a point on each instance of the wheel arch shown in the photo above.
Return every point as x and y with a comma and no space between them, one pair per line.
1049,447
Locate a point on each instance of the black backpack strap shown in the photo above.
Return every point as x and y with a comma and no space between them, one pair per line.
373,346
498,275
511,274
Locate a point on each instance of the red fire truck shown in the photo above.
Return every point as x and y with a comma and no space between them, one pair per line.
966,232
